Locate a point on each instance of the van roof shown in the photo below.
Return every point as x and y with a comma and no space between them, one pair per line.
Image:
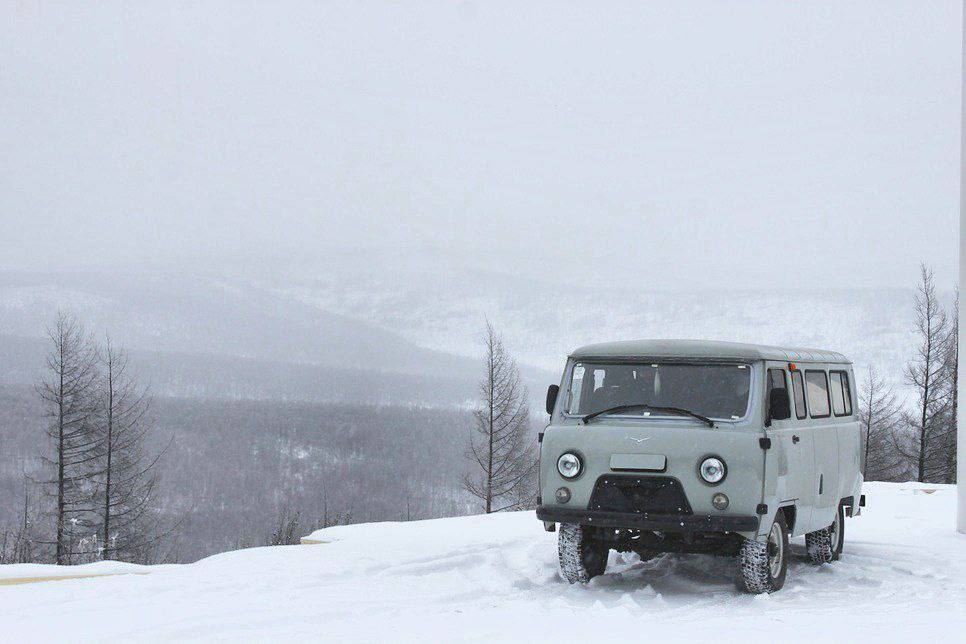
704,350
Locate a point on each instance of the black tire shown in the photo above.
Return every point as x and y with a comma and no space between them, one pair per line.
762,565
825,545
581,556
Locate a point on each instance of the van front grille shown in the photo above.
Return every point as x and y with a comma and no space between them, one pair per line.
639,494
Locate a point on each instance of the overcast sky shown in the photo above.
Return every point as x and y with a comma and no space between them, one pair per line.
695,143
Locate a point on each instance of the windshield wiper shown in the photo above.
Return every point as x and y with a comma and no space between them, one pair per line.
646,407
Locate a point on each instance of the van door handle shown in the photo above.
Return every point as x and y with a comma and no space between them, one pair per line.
795,438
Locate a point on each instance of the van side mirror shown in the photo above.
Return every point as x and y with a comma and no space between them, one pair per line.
552,392
779,405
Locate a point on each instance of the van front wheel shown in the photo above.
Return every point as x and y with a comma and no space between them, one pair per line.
762,565
581,556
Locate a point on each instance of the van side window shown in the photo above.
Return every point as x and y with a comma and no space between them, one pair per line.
838,399
841,396
776,379
816,388
848,393
798,387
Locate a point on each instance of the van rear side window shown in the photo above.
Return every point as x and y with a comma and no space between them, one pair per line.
841,395
798,387
848,393
816,388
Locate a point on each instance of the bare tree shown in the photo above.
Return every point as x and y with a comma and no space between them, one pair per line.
287,530
927,373
17,546
501,444
946,465
126,479
67,393
880,417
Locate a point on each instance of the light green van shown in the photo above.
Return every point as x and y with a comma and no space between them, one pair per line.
700,447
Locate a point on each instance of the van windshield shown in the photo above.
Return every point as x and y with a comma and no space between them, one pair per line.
716,391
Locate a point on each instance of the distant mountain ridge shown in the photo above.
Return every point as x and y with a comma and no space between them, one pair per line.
542,321
200,314
410,316
205,337
187,375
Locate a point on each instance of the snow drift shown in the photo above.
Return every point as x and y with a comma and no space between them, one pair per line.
902,577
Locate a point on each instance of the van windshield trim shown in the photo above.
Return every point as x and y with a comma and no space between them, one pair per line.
753,383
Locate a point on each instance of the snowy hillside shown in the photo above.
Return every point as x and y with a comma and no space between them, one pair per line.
902,577
441,305
400,316
200,314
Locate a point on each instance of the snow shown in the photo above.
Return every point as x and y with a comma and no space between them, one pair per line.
902,577
99,568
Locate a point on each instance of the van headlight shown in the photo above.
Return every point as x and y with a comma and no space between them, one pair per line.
713,470
569,465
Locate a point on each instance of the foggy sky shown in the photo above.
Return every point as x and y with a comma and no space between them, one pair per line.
693,145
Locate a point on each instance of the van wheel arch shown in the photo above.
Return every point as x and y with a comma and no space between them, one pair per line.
825,545
791,514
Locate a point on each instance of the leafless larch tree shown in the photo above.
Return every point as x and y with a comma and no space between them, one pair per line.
945,469
502,446
127,522
67,391
17,546
880,418
927,443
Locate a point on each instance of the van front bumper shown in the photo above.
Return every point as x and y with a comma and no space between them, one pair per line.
657,523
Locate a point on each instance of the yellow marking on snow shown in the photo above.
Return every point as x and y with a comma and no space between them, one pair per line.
11,581
311,542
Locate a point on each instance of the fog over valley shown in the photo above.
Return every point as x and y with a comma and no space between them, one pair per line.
294,225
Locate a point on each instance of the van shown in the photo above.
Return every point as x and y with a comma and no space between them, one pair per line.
688,446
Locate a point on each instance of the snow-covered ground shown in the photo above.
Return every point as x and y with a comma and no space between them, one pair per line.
902,577
18,573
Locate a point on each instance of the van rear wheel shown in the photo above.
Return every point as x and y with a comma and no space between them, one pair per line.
581,556
762,565
825,545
